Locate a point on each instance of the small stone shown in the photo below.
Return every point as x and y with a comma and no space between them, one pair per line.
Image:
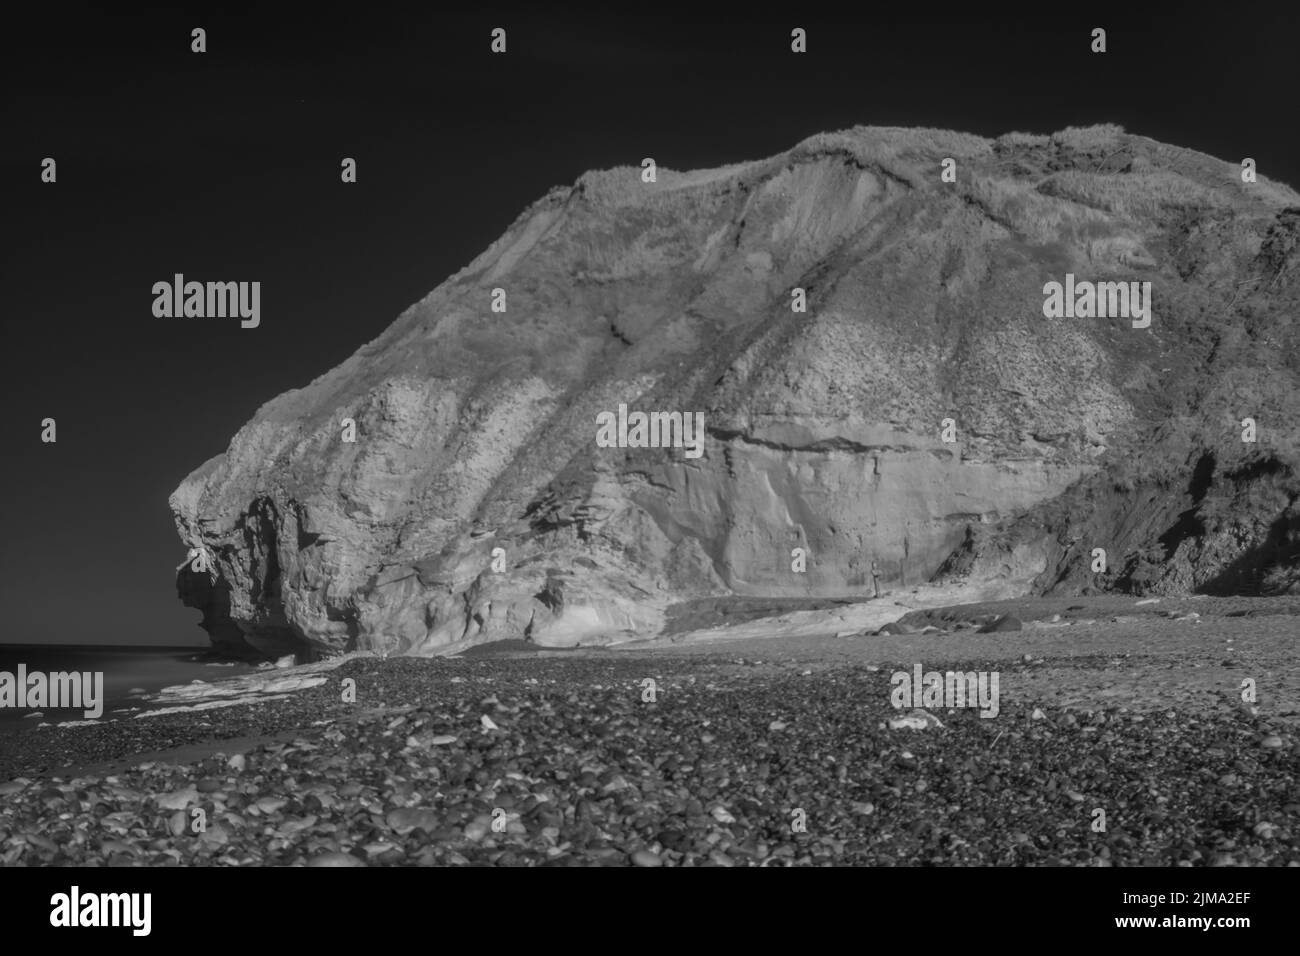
917,720
1007,622
178,799
1037,715
488,723
335,859
215,835
776,725
236,763
405,819
176,823
646,858
616,784
720,814
1271,742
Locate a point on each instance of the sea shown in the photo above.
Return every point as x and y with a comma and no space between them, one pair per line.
127,671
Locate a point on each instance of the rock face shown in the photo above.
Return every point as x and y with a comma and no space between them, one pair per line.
475,429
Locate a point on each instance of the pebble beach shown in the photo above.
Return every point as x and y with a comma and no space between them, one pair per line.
745,753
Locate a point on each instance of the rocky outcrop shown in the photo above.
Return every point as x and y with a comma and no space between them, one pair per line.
476,504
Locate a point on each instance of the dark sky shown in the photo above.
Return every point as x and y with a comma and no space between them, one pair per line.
225,166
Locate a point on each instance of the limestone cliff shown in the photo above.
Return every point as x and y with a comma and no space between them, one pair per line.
475,429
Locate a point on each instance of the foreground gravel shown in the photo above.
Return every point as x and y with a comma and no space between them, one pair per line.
564,761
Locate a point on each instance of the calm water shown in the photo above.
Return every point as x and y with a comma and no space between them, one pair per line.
124,669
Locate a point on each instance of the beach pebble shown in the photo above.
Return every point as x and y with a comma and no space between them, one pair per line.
1271,742
911,722
236,763
409,818
335,859
179,799
646,858
215,835
1003,624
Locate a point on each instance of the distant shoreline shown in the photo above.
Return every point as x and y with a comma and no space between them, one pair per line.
196,648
